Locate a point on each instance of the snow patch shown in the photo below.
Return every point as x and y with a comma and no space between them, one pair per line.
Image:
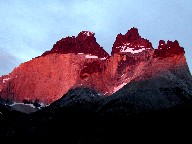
127,44
5,79
91,56
103,58
31,105
42,105
122,75
131,50
88,33
15,103
118,87
126,48
105,93
80,53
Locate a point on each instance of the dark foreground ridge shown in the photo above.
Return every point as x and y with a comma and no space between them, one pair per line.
79,118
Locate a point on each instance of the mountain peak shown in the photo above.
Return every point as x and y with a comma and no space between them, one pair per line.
86,33
132,34
168,49
84,43
131,42
86,37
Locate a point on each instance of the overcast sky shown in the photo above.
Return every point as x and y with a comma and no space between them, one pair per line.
30,27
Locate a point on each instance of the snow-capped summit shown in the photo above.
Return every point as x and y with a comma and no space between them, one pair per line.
131,42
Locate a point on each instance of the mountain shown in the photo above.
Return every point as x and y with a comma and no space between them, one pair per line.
48,77
147,78
77,93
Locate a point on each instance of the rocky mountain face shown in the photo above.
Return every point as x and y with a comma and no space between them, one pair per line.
80,62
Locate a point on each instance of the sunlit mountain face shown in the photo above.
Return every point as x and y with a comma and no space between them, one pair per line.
81,62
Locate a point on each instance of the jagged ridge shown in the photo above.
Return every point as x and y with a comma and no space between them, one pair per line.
80,61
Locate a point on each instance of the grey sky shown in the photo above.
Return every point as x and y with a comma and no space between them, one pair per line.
28,28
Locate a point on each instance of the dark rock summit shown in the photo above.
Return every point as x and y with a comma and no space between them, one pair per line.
168,49
84,43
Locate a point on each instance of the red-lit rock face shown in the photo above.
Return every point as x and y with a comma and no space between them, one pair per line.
81,62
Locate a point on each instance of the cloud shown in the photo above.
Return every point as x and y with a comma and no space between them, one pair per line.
7,63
